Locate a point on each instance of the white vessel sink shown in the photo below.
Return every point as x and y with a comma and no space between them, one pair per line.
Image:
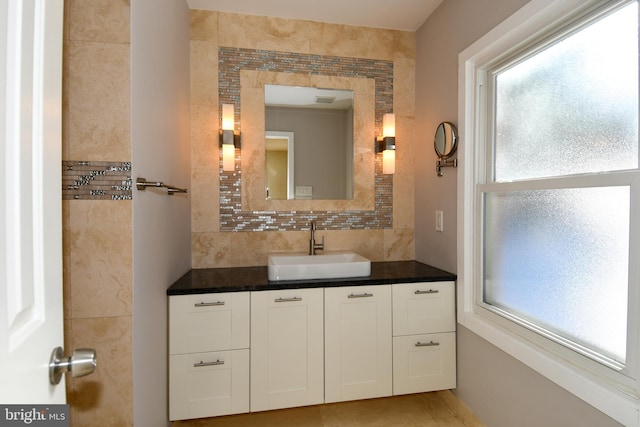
324,266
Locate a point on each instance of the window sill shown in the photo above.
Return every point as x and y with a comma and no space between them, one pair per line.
622,407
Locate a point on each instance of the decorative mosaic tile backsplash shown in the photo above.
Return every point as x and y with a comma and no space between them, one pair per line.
83,180
230,62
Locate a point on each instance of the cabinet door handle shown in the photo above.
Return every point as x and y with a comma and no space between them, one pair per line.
292,299
364,295
208,304
202,364
430,291
427,344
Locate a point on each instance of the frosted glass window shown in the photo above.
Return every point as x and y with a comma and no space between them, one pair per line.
557,259
549,196
572,107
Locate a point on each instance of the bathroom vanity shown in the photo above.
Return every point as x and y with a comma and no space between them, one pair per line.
241,343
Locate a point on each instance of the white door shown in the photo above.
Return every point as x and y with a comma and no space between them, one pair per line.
358,342
30,199
286,348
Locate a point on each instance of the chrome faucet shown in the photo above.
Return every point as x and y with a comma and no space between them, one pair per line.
313,246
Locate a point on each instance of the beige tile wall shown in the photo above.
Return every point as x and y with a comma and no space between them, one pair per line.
97,233
210,30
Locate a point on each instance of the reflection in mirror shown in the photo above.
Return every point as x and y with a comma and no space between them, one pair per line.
445,143
446,140
322,162
279,156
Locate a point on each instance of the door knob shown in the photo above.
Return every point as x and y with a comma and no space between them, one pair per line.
81,363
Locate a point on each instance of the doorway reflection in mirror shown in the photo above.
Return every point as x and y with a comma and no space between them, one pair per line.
321,167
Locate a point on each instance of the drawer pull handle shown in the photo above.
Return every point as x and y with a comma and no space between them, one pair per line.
427,344
202,364
364,295
293,299
208,304
430,291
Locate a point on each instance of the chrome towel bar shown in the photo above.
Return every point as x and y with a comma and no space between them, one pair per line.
142,184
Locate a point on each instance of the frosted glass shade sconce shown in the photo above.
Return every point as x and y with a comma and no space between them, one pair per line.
228,139
387,143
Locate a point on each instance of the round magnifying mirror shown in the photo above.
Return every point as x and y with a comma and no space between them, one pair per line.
446,140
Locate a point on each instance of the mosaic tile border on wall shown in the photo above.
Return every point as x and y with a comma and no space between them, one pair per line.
86,180
230,62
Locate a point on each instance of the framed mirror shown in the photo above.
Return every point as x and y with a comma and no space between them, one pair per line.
319,165
445,144
253,123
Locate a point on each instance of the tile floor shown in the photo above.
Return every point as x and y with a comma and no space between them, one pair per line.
437,409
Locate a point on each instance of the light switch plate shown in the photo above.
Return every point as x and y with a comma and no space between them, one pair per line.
439,221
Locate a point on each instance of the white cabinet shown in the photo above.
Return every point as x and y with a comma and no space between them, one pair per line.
208,384
253,351
208,355
424,342
286,348
358,344
208,322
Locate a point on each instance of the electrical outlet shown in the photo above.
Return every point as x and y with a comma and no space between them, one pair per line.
304,191
439,221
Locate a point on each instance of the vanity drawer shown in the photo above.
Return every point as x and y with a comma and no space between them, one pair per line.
424,363
422,308
208,384
208,322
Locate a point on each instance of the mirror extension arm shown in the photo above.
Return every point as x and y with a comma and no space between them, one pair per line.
445,144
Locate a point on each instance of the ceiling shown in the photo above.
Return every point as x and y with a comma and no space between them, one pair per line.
307,97
405,15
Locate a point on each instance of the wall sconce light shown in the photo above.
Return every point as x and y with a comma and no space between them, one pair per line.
228,139
387,143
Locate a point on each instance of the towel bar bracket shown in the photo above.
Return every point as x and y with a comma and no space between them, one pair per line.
142,184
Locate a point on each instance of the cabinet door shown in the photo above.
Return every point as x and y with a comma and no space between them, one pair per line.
286,348
208,322
208,384
358,345
424,363
422,308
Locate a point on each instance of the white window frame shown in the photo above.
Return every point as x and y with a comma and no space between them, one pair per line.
616,394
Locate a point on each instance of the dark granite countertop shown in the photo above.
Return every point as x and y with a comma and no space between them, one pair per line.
212,280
